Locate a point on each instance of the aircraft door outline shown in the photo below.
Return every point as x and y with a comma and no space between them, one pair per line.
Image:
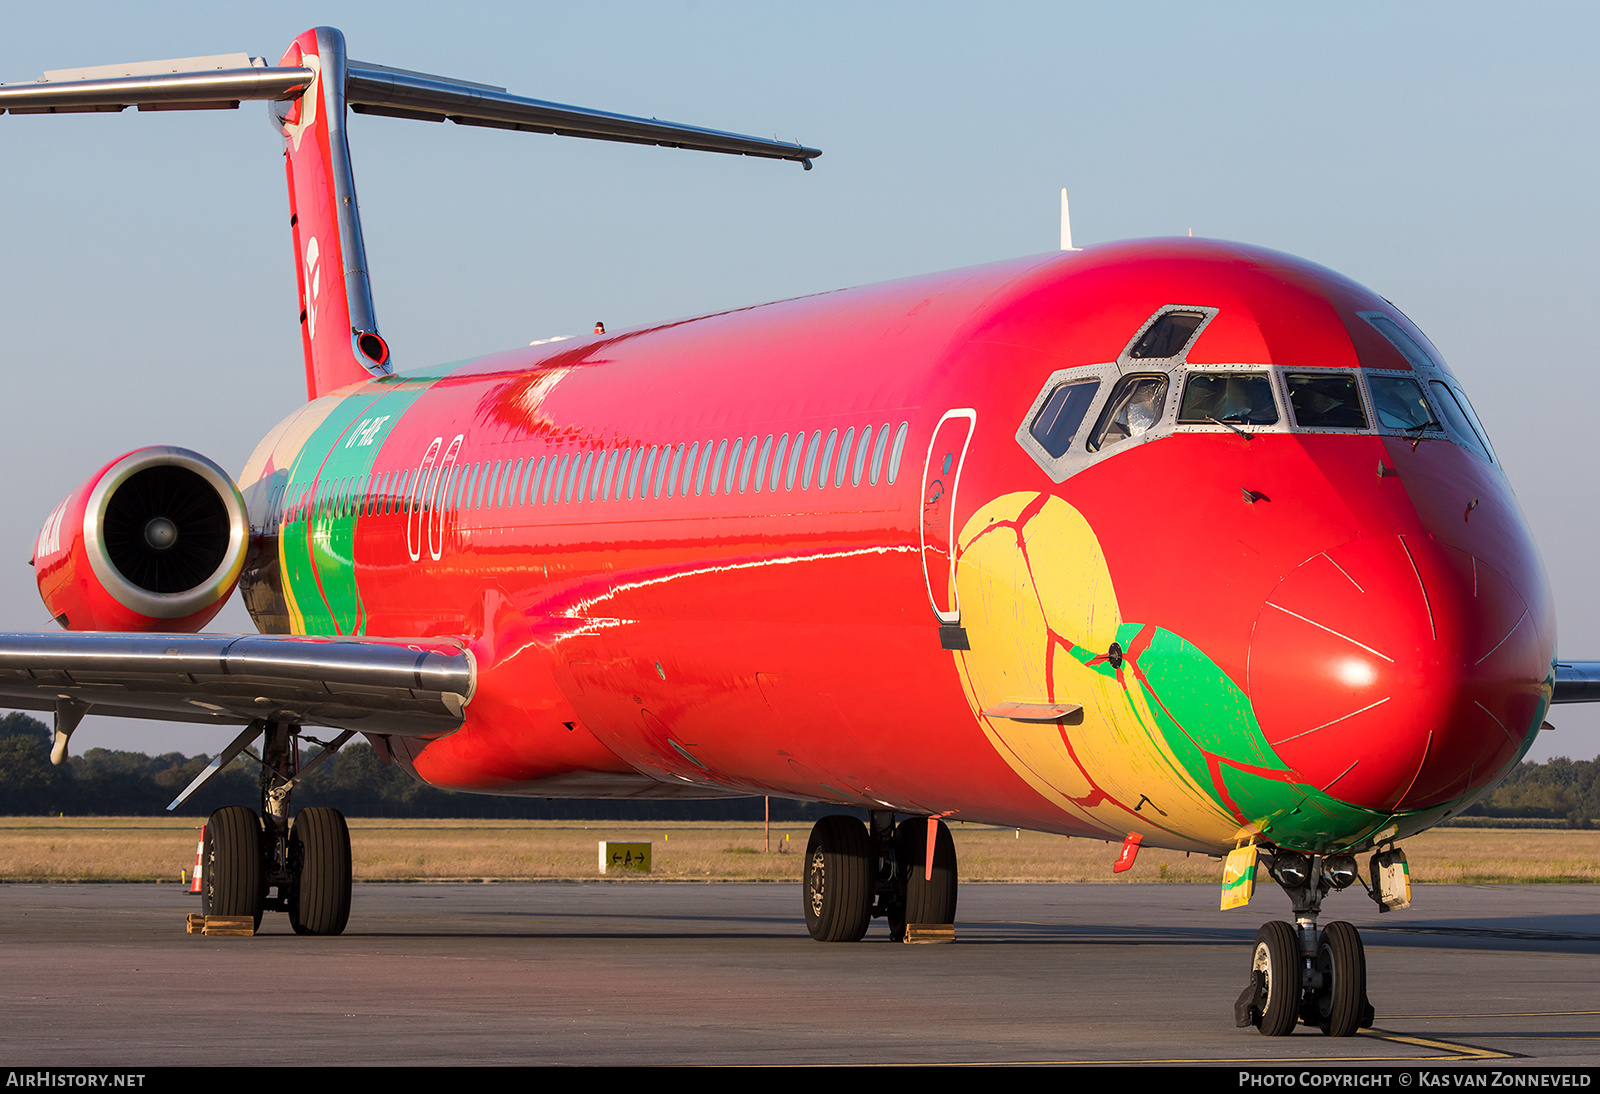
937,527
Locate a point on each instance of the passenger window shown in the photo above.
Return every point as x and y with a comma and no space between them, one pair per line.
1325,400
652,474
844,456
861,457
794,462
1399,403
1237,398
733,463
897,451
1168,335
677,467
574,477
877,454
827,459
1136,404
761,464
1058,419
811,459
777,461
700,472
667,464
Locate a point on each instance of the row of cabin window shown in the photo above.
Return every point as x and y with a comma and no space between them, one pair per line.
645,471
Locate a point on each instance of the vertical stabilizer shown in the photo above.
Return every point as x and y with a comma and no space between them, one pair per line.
338,329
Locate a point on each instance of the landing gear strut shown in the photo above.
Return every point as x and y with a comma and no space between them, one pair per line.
255,863
856,873
1300,975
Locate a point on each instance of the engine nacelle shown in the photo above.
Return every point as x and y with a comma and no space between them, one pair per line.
153,541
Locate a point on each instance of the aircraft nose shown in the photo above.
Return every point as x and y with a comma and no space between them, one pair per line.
1397,673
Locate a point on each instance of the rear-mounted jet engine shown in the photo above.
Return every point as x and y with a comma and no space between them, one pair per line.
153,541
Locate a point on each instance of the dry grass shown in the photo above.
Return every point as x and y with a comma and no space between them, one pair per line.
157,848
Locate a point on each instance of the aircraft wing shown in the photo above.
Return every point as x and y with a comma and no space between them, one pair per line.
1577,682
413,687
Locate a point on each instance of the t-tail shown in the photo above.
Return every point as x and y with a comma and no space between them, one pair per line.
309,93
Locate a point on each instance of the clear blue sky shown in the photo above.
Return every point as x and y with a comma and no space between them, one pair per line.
1442,154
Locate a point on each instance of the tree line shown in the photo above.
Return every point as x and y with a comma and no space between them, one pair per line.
104,782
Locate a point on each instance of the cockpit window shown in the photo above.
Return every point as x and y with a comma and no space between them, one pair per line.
1168,335
1325,400
1462,422
1400,340
1135,405
1062,413
1241,398
1400,404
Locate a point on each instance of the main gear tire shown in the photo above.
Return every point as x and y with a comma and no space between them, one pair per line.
233,878
319,844
929,899
838,880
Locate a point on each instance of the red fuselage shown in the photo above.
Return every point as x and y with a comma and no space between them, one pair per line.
1320,631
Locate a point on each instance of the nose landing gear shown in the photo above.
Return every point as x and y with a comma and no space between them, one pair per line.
1298,974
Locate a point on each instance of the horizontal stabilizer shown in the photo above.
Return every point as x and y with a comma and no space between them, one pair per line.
374,89
70,92
369,89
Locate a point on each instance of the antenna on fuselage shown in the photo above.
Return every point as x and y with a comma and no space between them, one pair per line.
1066,224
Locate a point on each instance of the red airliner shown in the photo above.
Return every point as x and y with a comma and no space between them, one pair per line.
1175,543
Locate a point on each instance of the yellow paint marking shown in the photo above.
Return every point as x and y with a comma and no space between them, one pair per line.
1450,1050
1458,1051
1505,1014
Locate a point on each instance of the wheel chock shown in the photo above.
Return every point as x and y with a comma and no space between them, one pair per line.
195,923
925,933
228,925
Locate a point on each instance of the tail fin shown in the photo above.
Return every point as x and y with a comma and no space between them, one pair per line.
338,325
308,93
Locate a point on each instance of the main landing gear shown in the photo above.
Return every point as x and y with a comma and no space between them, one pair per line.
253,863
1300,975
855,873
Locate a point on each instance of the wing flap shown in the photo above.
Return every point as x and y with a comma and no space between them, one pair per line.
414,687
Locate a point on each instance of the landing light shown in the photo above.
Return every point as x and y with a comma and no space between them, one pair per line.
1290,870
1341,870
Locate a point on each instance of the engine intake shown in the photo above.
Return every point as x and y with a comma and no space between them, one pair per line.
155,540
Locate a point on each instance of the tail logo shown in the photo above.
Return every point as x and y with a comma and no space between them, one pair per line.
313,285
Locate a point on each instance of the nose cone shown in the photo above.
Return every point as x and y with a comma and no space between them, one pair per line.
1396,672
